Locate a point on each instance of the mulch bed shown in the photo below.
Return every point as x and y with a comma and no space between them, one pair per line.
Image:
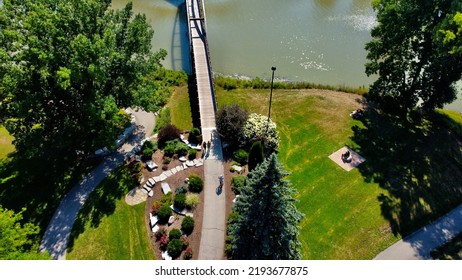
174,181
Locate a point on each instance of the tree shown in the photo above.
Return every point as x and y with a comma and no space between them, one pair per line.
413,54
258,128
18,241
265,223
67,68
256,155
230,120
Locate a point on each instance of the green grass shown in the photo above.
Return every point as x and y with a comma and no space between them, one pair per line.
109,229
409,177
180,109
6,145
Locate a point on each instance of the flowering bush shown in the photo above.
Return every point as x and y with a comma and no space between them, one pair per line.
163,242
185,242
155,207
188,253
257,127
161,232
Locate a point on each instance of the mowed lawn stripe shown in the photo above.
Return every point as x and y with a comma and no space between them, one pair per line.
119,232
343,218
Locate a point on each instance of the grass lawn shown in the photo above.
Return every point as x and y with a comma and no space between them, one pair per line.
6,146
356,214
180,109
109,229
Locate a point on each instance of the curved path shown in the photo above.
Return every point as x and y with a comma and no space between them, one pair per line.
418,245
58,231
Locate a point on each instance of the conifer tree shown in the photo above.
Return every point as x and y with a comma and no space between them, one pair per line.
256,155
265,219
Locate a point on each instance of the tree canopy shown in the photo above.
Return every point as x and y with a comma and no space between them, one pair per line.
230,120
16,240
67,67
416,52
265,220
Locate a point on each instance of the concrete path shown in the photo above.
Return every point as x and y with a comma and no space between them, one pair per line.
418,245
212,243
57,234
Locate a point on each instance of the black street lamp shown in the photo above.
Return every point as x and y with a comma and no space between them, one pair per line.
271,96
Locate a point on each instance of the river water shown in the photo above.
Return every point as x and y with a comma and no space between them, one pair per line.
319,41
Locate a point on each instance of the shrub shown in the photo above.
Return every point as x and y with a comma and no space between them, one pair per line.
174,234
164,213
192,154
155,207
187,225
174,248
230,120
167,133
181,189
166,198
191,200
175,147
188,254
195,183
257,128
179,201
137,167
238,182
241,156
195,136
148,149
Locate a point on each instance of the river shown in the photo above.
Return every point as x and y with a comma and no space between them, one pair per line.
319,41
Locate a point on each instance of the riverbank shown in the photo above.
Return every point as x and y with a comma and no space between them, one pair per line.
357,214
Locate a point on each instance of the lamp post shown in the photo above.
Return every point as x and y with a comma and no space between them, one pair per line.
271,96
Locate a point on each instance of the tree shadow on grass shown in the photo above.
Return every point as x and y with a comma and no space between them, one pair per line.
101,202
38,184
417,161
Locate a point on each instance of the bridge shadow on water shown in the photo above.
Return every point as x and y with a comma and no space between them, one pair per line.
180,55
180,52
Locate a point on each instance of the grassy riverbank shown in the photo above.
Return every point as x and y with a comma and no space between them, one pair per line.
357,214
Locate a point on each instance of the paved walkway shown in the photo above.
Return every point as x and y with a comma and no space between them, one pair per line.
212,246
57,234
418,245
212,243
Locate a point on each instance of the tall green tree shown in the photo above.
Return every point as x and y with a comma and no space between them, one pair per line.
17,241
414,66
67,67
230,121
265,221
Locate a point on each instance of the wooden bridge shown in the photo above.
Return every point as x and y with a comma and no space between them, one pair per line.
214,219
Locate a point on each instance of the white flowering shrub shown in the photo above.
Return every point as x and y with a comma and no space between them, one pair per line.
257,128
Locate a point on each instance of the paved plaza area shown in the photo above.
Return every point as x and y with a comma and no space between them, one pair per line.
349,165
